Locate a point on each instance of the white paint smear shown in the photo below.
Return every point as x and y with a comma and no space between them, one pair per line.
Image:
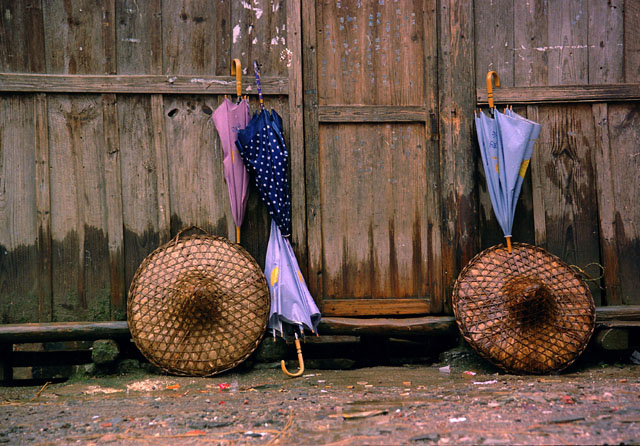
236,33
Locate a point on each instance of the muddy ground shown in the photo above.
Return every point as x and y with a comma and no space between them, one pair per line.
405,404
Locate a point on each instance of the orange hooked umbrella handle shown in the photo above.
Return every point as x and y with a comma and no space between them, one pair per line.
236,70
491,75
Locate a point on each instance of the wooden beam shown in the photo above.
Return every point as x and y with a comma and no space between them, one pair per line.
57,83
560,94
618,312
374,307
416,326
296,135
62,331
372,113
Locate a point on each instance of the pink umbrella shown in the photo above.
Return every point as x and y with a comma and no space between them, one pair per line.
228,119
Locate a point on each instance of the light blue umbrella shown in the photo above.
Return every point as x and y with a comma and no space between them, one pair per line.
292,308
506,144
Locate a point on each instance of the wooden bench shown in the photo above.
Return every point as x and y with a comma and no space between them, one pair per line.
613,325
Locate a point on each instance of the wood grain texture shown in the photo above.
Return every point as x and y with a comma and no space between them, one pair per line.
198,193
43,208
624,133
296,135
22,37
373,199
374,307
113,203
561,94
457,159
135,27
161,163
140,167
568,44
372,113
139,84
433,201
538,179
631,41
494,40
312,160
606,34
73,37
530,37
81,270
565,170
19,299
369,53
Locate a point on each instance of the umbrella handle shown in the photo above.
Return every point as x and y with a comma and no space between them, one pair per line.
236,70
490,76
300,360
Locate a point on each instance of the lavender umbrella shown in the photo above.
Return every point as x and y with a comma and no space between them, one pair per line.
228,119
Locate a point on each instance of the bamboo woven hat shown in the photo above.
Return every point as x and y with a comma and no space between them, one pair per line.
526,312
198,305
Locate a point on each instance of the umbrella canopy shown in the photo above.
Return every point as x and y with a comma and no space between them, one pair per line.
265,154
229,118
506,145
292,307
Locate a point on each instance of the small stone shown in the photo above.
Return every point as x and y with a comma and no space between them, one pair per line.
104,351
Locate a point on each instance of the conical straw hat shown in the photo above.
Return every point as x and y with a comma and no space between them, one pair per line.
526,312
198,305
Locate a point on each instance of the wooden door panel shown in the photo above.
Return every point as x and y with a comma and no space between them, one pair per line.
374,82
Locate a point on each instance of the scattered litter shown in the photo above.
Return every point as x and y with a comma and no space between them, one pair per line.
457,420
147,385
357,415
362,383
224,386
406,383
569,419
173,387
445,369
635,357
468,373
92,390
254,434
485,383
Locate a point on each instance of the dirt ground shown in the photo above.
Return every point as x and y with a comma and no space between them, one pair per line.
410,404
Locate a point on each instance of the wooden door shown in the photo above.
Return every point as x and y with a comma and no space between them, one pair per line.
372,166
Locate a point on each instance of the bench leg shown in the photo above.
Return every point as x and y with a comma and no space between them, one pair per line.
6,366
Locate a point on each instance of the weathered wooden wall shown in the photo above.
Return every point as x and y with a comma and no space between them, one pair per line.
107,147
97,171
573,66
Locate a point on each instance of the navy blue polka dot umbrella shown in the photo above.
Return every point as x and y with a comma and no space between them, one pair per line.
261,145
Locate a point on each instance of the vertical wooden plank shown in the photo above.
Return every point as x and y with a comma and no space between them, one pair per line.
22,37
530,40
624,131
432,168
296,134
43,206
568,46
457,159
494,33
187,29
538,179
312,163
81,277
162,167
566,146
606,205
113,192
631,41
139,166
73,36
606,38
19,297
139,37
259,32
198,193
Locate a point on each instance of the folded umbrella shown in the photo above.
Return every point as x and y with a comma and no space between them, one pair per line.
229,118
